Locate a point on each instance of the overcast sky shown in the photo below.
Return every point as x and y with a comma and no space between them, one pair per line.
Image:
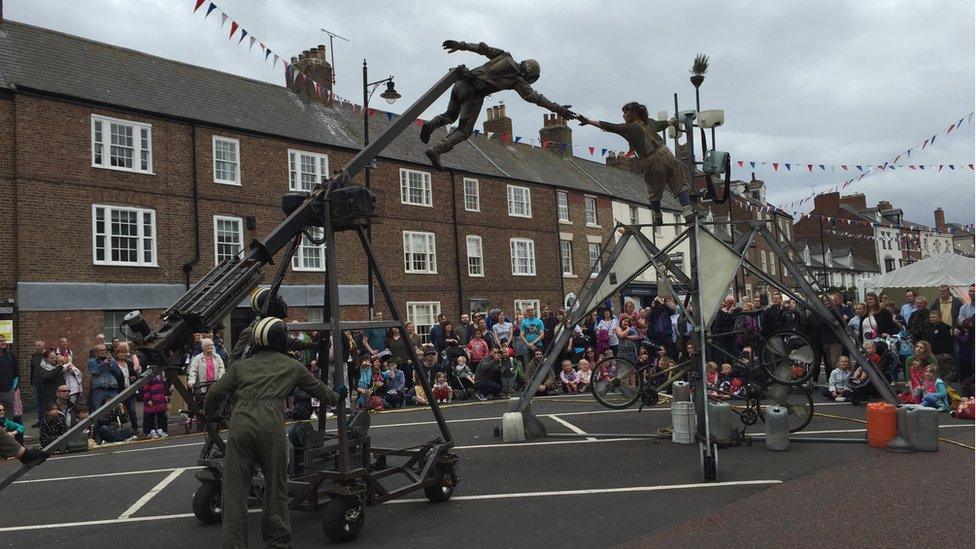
822,82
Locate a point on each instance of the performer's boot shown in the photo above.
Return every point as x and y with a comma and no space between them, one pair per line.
446,145
657,218
687,210
429,126
435,158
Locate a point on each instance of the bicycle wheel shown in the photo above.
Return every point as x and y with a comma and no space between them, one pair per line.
615,383
797,401
789,357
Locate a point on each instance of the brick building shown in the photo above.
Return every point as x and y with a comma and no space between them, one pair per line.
125,177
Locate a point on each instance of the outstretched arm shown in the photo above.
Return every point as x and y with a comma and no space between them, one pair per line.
532,96
481,48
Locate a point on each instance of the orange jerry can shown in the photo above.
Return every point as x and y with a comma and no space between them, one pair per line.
882,426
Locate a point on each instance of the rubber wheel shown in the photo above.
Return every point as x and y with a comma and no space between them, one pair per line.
615,383
343,518
443,489
789,357
207,503
797,400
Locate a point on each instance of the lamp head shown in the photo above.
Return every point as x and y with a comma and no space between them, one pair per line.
390,94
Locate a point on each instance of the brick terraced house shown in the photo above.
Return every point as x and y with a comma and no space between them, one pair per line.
125,177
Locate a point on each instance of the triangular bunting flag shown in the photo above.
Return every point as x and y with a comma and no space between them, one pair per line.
911,166
810,168
243,36
251,42
950,128
223,19
199,3
418,122
233,29
389,117
275,63
952,166
477,132
518,138
564,146
822,168
372,111
267,53
603,152
506,138
741,162
752,164
970,166
787,166
844,167
859,168
932,141
210,9
924,144
775,166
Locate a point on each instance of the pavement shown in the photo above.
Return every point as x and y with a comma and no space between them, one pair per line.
585,492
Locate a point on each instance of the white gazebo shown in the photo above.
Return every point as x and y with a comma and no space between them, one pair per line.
925,276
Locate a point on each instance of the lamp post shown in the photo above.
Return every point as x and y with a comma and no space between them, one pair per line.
390,95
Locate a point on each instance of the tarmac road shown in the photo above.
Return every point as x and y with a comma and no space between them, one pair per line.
554,492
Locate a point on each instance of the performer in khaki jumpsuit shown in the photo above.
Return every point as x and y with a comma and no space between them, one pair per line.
660,167
259,384
501,73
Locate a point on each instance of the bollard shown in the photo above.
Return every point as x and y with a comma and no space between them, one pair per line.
683,422
513,430
680,391
777,429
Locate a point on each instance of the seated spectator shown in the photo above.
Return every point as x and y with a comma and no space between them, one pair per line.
935,395
548,385
12,428
364,384
585,375
916,383
487,378
442,389
109,429
395,382
727,381
417,396
839,383
923,353
53,424
569,378
711,380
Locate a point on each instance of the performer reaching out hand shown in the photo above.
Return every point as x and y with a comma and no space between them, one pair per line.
501,73
660,167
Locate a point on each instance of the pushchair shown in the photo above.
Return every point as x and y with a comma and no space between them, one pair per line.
462,388
187,419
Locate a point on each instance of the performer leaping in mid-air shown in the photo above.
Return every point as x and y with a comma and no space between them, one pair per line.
501,73
660,167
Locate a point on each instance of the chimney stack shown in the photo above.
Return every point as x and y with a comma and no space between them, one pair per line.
884,205
557,131
940,220
498,122
313,64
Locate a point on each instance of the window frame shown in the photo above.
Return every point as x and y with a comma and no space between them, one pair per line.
240,242
431,254
466,195
140,236
481,253
106,144
427,188
435,309
237,163
560,196
633,214
509,193
512,249
111,330
587,200
566,256
534,303
299,255
294,184
593,266
678,260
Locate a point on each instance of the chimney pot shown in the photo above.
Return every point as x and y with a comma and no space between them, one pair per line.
322,52
501,111
488,113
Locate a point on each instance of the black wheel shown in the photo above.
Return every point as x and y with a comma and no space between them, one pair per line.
343,518
797,401
615,383
789,357
443,488
207,505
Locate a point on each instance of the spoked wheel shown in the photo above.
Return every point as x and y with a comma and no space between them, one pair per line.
343,518
797,401
789,357
615,383
207,503
443,488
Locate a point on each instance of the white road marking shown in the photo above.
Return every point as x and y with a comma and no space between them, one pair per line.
544,443
104,475
106,521
569,426
152,493
657,488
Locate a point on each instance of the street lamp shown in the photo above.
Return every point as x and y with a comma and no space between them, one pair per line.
390,95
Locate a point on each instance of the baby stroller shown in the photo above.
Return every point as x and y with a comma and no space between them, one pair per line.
462,388
187,419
